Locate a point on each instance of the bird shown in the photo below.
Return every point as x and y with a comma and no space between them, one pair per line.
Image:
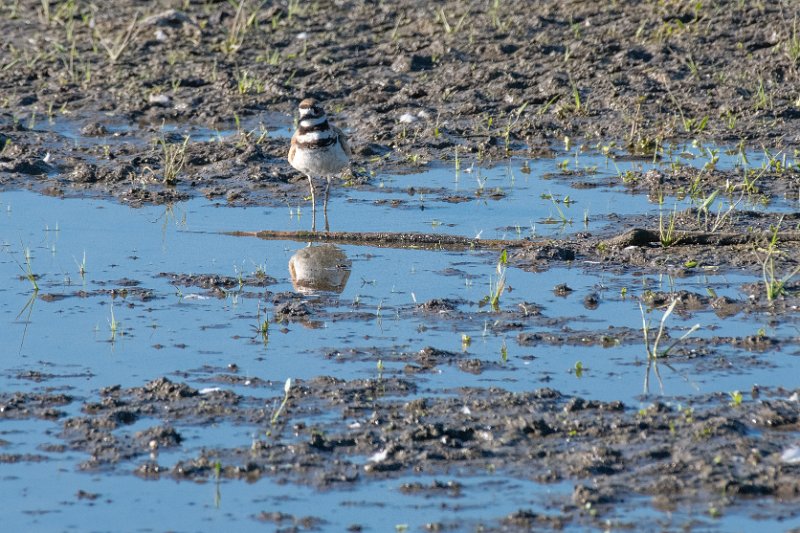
318,149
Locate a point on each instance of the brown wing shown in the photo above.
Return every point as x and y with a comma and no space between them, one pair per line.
343,140
293,147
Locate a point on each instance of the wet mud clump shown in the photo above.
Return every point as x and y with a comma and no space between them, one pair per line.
336,433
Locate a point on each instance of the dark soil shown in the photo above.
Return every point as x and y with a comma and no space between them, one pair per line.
410,81
710,451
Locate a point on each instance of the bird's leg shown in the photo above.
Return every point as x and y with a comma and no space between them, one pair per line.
325,203
313,204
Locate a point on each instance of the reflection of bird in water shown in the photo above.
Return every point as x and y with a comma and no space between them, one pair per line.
318,148
319,268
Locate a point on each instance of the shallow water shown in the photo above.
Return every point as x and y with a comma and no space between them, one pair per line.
191,334
70,129
192,328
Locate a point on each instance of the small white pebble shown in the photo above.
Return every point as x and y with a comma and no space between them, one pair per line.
302,35
485,435
465,410
160,99
160,35
791,455
378,457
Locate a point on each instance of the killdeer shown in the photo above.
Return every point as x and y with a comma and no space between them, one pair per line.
318,149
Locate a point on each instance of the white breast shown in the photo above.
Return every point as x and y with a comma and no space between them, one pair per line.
326,161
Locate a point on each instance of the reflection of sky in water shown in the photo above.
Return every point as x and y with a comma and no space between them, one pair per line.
516,199
69,338
47,499
191,328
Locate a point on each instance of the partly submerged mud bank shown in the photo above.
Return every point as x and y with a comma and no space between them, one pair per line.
709,450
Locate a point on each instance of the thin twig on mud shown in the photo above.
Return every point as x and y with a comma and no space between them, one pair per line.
115,49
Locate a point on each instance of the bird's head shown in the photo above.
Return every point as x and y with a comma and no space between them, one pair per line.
310,108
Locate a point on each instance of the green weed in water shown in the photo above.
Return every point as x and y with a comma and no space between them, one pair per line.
736,398
774,286
497,288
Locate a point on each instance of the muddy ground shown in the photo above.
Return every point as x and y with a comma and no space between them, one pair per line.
414,84
335,434
410,82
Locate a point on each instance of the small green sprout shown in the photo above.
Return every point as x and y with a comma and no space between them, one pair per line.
287,387
497,290
466,340
667,235
82,265
173,159
736,398
28,270
113,323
